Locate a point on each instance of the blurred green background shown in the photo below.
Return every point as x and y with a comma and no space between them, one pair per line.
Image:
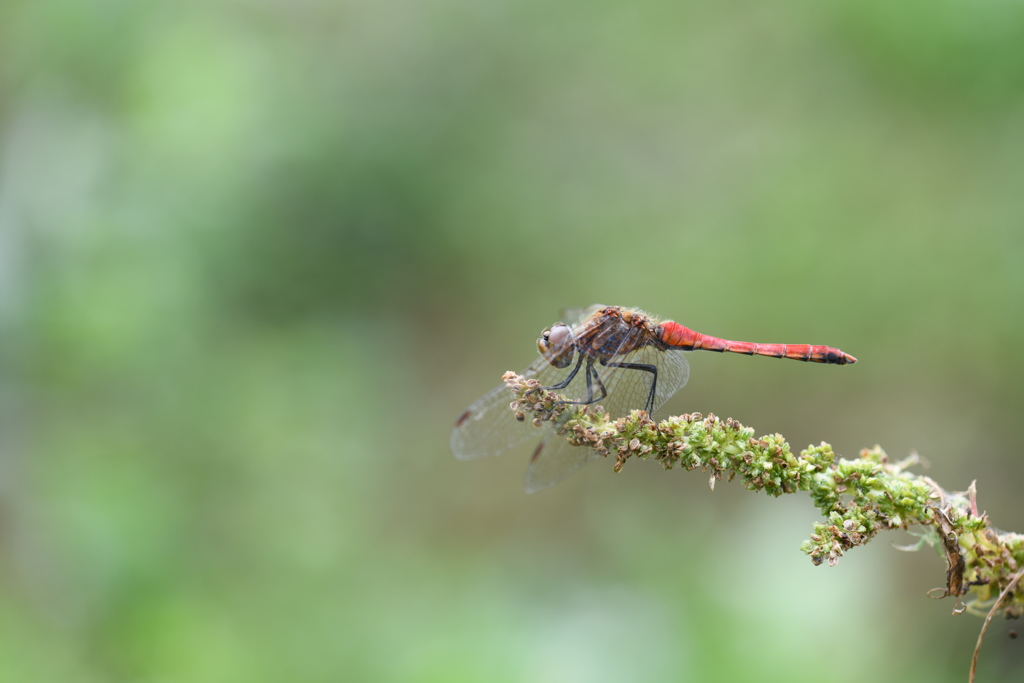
255,258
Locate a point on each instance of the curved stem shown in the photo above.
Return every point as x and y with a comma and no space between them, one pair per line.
857,498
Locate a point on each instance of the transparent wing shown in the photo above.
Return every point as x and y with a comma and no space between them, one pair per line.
628,389
554,460
489,427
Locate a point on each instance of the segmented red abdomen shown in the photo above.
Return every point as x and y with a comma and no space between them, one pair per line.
676,336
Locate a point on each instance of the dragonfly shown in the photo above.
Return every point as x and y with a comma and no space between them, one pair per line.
620,358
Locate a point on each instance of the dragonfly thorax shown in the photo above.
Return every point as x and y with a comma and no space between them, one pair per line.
556,345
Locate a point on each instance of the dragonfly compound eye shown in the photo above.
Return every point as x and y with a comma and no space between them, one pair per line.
555,344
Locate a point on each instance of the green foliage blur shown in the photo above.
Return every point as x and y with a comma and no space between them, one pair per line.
255,258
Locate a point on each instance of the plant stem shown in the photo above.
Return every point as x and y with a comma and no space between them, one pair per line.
857,498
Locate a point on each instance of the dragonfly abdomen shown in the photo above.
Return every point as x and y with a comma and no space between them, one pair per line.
676,336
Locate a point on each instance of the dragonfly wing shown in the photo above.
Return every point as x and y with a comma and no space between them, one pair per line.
489,427
629,387
554,460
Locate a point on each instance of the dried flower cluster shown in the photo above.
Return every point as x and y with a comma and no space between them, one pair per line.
857,498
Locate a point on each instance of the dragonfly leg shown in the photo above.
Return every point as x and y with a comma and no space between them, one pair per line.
564,383
653,369
592,376
597,378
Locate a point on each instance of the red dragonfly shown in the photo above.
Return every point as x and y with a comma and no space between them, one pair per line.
620,357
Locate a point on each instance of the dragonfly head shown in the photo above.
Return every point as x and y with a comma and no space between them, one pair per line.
556,345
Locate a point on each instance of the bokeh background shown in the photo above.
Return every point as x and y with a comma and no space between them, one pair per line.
255,258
